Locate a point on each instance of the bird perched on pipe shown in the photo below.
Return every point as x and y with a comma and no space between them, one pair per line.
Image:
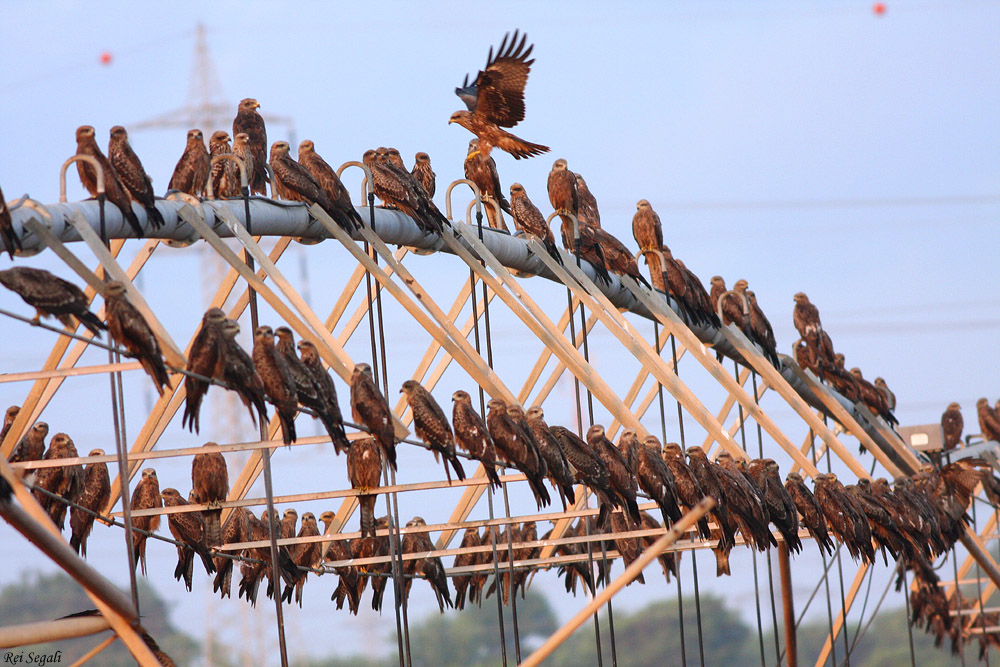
193,168
249,121
132,175
114,191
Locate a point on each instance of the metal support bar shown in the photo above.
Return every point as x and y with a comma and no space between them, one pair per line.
48,631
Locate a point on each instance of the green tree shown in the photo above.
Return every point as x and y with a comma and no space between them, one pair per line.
39,597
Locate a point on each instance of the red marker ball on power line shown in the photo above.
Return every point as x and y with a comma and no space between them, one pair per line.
105,57
879,8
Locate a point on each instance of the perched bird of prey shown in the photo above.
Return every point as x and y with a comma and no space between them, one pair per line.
617,257
621,476
708,480
51,296
431,426
210,486
679,289
528,219
225,174
192,170
133,177
989,421
873,398
884,531
528,533
482,170
629,547
805,316
343,212
496,100
587,209
31,447
700,296
240,374
646,227
563,195
277,378
369,408
517,448
236,529
652,473
591,248
207,358
189,528
575,570
114,191
810,511
289,519
689,492
397,188
462,582
334,419
252,573
350,586
308,391
952,425
304,554
745,503
382,548
589,469
430,567
778,501
364,469
731,305
8,236
8,420
423,173
146,495
66,482
245,152
890,398
472,435
248,121
293,182
94,496
557,467
129,328
763,335
844,517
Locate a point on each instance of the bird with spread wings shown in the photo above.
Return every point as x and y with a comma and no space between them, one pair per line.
496,100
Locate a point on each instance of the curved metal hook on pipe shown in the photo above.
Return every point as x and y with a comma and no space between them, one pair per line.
367,185
663,263
475,191
576,224
244,182
80,158
490,201
743,299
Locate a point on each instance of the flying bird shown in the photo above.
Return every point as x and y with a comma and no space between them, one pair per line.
31,447
240,374
94,496
65,482
557,467
482,170
224,174
146,495
496,100
207,359
9,238
369,408
952,425
989,421
343,211
396,187
809,509
114,191
193,168
133,177
303,554
248,121
622,477
129,328
528,219
430,567
517,447
51,296
277,378
587,209
472,435
563,195
210,486
423,173
334,419
431,426
308,391
364,470
189,528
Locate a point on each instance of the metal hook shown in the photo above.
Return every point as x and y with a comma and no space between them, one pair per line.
80,158
367,185
663,263
475,191
572,216
244,182
489,200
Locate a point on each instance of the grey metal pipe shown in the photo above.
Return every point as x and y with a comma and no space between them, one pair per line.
27,634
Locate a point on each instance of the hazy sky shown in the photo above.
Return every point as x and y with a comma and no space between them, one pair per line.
813,147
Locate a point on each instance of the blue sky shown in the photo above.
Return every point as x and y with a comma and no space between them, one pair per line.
814,147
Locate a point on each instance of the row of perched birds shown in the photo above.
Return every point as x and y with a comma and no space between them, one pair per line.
952,422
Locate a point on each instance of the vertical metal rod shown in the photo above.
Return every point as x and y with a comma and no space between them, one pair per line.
510,561
909,619
826,569
958,602
590,559
576,380
979,587
397,589
791,650
753,553
121,450
840,575
611,613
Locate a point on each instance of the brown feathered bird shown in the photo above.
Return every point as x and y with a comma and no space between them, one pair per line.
431,426
873,398
689,491
890,398
617,257
528,219
240,374
557,467
194,166
731,305
94,496
333,417
396,187
189,528
309,392
364,470
587,209
370,409
146,495
206,358
31,447
462,582
129,328
210,486
589,469
244,151
430,567
51,296
989,421
236,529
303,554
293,182
248,121
805,316
472,435
224,174
277,378
708,480
646,227
343,211
563,194
517,448
621,476
423,173
132,175
844,517
9,240
66,482
482,170
496,99
591,247
810,511
652,473
114,191
745,502
8,420
763,334
952,425
778,501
